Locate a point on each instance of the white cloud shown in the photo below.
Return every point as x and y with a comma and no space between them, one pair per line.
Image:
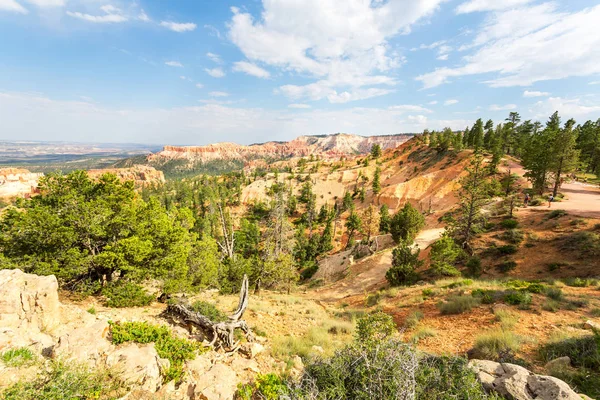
342,45
174,64
13,6
251,69
199,85
410,108
215,72
443,57
214,57
143,16
218,94
495,107
213,31
528,93
488,5
35,117
47,3
297,105
594,83
433,103
100,19
178,27
567,108
450,102
528,44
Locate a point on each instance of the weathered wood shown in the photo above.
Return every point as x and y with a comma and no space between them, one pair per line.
221,333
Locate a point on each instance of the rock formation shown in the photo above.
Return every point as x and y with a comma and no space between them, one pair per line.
141,175
18,182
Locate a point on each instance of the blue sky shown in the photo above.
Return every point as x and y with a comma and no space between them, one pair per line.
199,71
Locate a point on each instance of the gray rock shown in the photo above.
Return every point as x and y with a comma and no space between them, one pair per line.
592,325
558,364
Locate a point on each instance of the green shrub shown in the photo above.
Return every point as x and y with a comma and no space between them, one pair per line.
428,292
514,236
458,305
405,261
423,332
474,266
580,282
518,298
506,266
61,382
413,319
507,249
126,294
309,271
584,242
265,387
595,312
457,284
375,327
554,294
175,349
583,351
497,345
92,310
551,305
573,304
373,299
487,296
209,310
444,254
17,357
556,214
507,318
509,223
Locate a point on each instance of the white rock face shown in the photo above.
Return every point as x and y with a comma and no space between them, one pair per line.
517,383
87,344
29,309
139,365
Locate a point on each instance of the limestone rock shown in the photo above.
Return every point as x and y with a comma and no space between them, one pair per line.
318,349
558,363
218,383
518,383
137,364
592,325
87,344
29,309
240,365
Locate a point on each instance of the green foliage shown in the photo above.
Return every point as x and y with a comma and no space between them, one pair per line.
458,305
17,357
353,224
376,151
405,261
507,266
556,214
518,298
126,294
509,223
309,271
92,310
61,381
487,296
413,319
376,184
373,299
507,249
584,242
584,351
209,310
175,349
474,266
384,219
264,387
580,282
514,236
444,254
554,294
406,224
375,327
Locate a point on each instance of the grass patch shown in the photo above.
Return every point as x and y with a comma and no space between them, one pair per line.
514,236
584,242
175,349
507,318
457,284
506,249
518,298
555,294
61,382
506,266
373,299
551,305
595,312
423,332
17,357
556,214
413,319
581,282
584,351
458,305
497,345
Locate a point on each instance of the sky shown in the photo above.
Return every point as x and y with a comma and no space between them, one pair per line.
194,72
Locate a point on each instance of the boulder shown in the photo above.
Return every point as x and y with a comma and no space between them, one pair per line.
139,365
87,344
517,383
219,382
592,325
558,364
29,309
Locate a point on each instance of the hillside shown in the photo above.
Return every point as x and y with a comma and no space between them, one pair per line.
224,157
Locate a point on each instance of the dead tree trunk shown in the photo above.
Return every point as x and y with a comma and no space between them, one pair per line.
221,333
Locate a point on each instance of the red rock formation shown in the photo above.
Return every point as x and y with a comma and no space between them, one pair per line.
141,175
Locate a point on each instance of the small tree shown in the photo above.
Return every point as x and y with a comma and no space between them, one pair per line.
406,224
444,254
370,221
376,151
384,219
376,184
353,225
405,261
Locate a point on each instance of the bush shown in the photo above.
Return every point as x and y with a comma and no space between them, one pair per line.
551,305
444,254
176,350
405,261
518,298
265,387
309,271
556,214
487,296
457,284
17,357
554,294
422,333
506,266
587,243
498,345
428,292
584,351
126,294
61,381
580,282
474,266
458,305
373,299
375,327
509,223
209,310
514,236
507,249
507,318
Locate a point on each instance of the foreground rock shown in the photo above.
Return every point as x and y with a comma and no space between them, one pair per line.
517,383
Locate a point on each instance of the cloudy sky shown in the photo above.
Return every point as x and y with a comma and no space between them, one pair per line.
202,71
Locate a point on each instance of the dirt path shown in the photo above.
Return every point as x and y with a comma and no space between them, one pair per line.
581,199
368,274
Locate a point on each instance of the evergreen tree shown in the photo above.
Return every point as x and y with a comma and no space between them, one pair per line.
384,219
406,224
405,261
376,184
489,133
370,221
353,224
564,153
443,255
376,151
477,135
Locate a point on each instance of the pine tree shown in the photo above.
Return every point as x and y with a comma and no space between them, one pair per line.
384,219
376,184
370,221
477,135
564,153
406,224
376,151
353,224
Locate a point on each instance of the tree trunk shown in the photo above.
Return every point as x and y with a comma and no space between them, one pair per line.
557,182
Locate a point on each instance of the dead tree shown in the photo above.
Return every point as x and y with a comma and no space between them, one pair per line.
221,333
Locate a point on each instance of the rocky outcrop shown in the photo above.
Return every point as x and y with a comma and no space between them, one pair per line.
29,309
138,365
327,146
141,175
517,383
86,344
18,182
